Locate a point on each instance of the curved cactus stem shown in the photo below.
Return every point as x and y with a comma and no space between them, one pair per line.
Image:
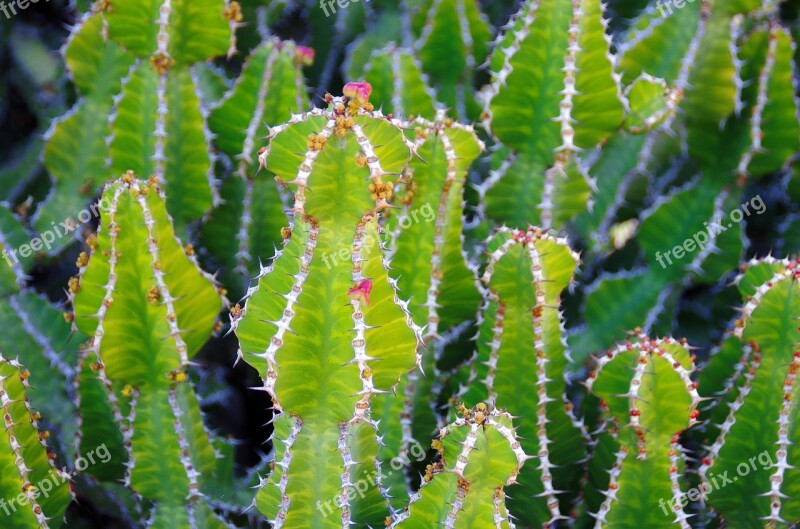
759,430
149,309
521,341
400,86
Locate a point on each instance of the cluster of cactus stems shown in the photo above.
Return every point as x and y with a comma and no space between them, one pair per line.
358,322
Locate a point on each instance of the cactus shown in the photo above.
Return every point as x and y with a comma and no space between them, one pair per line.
480,456
35,494
141,110
427,256
148,308
647,390
343,310
758,418
248,223
521,343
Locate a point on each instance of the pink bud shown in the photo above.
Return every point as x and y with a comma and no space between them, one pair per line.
362,290
359,91
304,55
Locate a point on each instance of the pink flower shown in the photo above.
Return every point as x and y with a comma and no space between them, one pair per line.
359,91
361,290
304,55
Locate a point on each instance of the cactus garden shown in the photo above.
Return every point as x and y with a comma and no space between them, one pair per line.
407,264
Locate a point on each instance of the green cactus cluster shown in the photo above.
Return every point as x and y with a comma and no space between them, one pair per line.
457,237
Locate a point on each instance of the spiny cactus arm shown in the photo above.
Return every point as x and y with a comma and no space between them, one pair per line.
25,462
185,31
270,87
337,303
248,222
400,87
149,309
159,129
520,339
774,127
481,455
572,79
433,272
451,46
761,421
659,44
714,83
75,152
427,250
647,387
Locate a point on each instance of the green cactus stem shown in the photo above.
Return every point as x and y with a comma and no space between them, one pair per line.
35,494
520,343
325,326
148,309
758,413
481,455
647,390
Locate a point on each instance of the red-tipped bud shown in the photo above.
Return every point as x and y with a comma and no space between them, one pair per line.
359,91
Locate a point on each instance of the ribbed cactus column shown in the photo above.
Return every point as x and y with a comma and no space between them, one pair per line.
758,447
427,251
480,456
324,325
34,494
149,309
519,365
648,392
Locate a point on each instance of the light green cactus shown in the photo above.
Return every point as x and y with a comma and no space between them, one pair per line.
35,494
148,309
324,326
648,392
481,455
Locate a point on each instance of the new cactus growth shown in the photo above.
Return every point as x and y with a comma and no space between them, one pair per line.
325,326
480,455
34,493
